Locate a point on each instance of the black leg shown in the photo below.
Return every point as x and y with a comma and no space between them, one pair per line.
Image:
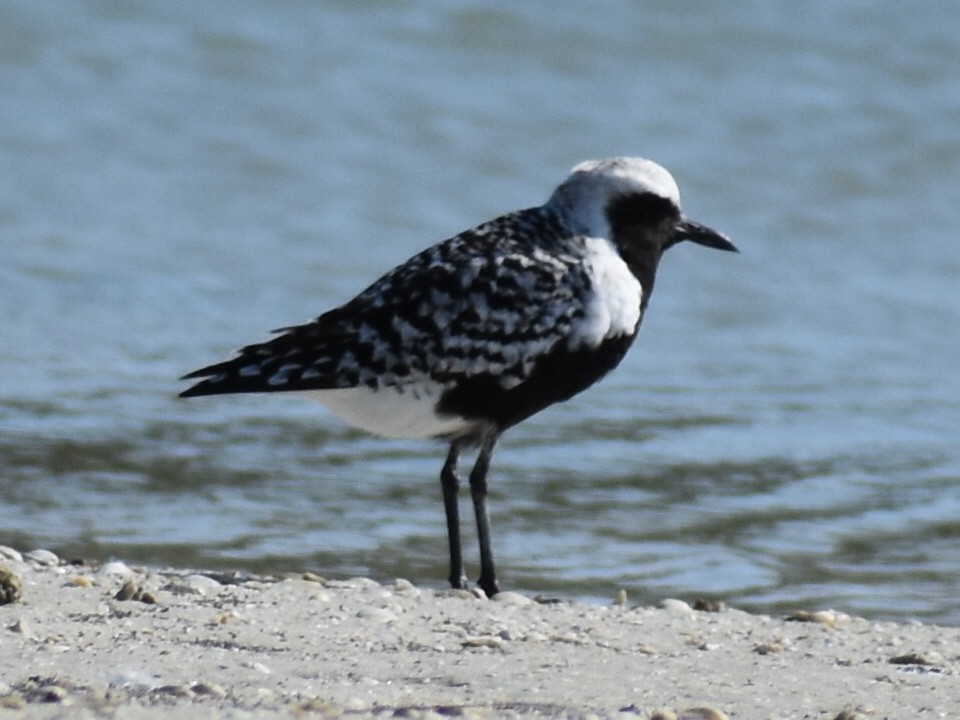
451,484
478,490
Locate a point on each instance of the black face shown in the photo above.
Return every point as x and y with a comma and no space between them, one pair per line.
644,225
643,214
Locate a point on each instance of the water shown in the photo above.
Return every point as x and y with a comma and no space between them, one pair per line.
178,178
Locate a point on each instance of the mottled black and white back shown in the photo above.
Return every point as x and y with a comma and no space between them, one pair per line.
482,330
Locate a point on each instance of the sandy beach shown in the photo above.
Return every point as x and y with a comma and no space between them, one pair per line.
108,640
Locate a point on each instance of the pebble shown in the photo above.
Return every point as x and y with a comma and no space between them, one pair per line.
405,587
361,582
43,557
199,585
381,615
847,714
204,688
21,627
663,714
512,598
258,666
709,605
486,642
114,570
130,590
127,591
315,705
911,659
12,701
51,694
830,618
11,589
702,713
677,607
8,553
769,648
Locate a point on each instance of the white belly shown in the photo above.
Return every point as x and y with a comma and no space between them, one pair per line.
391,412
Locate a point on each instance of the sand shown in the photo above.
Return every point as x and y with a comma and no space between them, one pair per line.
108,640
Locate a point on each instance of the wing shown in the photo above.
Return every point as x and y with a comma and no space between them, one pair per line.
487,303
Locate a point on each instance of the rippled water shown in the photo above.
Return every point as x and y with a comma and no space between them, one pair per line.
180,177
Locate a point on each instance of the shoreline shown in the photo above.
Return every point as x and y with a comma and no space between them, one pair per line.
108,640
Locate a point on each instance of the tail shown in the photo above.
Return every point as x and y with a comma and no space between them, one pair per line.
297,359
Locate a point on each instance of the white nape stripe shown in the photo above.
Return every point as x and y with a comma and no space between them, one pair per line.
390,412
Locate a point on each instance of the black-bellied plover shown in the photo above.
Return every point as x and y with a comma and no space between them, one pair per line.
482,330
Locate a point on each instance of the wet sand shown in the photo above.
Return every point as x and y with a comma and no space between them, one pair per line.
108,640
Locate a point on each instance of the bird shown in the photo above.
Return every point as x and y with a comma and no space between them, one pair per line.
484,329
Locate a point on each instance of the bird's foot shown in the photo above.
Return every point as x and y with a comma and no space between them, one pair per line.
490,585
459,583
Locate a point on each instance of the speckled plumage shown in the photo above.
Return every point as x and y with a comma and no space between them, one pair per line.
485,306
482,330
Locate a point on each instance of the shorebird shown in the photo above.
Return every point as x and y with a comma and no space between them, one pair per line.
479,332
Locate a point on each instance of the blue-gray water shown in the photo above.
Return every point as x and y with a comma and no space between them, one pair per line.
176,178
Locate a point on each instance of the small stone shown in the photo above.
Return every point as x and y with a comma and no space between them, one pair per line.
709,605
128,591
11,589
173,690
211,689
315,705
114,570
488,642
516,599
547,600
702,713
620,599
21,627
405,587
312,577
202,584
43,557
148,598
677,607
768,648
663,714
830,618
381,615
8,553
358,583
847,714
51,694
12,701
81,581
910,659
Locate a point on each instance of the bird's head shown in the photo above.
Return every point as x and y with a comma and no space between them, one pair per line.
633,202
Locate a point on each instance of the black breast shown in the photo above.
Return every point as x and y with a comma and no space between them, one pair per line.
558,376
